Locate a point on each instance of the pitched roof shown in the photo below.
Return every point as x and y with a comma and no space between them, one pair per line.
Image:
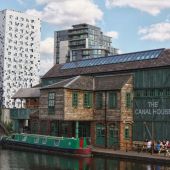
77,83
92,83
27,93
162,60
111,82
59,84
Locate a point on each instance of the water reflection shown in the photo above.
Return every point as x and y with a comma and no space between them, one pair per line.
15,160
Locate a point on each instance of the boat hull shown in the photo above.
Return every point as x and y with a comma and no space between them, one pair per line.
15,145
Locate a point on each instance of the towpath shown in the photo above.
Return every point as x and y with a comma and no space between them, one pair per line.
132,155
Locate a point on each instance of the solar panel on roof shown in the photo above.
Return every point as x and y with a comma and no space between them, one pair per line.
122,58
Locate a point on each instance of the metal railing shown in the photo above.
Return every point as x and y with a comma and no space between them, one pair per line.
20,113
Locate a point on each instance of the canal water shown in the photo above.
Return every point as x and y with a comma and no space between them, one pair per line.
17,160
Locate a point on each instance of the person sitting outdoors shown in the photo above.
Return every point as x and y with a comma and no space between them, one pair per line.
158,147
144,147
167,143
164,148
149,146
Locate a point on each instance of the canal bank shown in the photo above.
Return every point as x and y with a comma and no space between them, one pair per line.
10,160
132,155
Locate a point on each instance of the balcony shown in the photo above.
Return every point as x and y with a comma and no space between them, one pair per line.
78,32
20,113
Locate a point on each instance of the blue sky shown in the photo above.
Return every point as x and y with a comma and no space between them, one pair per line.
135,25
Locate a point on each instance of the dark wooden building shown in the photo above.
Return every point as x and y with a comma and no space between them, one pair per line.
26,102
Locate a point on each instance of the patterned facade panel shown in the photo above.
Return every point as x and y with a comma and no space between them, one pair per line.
20,59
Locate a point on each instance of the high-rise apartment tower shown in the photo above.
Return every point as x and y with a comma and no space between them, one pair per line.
19,53
83,41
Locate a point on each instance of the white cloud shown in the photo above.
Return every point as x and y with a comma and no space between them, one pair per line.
46,53
42,1
47,46
113,34
67,12
45,65
152,7
34,12
156,32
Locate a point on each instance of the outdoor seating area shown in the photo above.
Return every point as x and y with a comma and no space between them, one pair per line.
159,147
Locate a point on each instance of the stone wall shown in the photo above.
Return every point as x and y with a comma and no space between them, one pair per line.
126,116
125,144
79,112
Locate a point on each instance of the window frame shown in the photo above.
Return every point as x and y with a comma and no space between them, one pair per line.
51,103
128,100
112,100
88,99
75,99
127,132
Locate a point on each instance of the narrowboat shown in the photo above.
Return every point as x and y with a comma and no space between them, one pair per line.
47,144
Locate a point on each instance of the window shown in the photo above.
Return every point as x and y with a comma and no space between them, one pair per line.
167,92
51,103
99,52
152,92
36,140
160,92
127,134
56,142
99,100
75,99
112,100
87,99
138,93
100,130
146,93
128,100
85,52
24,138
44,141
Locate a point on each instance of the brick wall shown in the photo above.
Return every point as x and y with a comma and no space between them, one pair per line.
32,103
93,132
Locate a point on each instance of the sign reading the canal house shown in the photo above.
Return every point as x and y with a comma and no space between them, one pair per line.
151,109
